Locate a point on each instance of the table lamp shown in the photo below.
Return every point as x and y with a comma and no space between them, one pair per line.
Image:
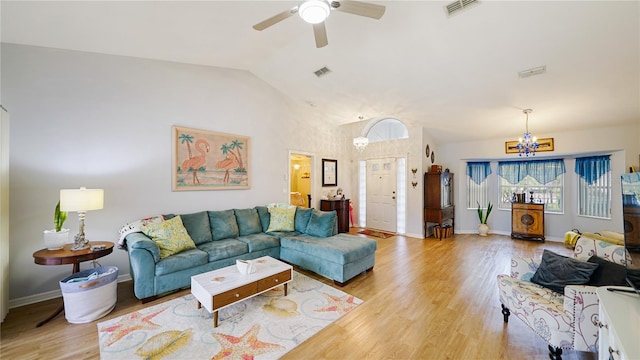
81,200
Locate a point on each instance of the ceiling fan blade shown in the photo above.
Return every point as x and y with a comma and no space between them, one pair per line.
275,19
320,32
359,8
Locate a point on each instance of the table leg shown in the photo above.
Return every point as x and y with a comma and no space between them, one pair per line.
198,305
58,311
285,289
215,319
76,268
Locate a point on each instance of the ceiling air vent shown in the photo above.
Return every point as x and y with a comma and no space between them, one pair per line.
321,72
458,6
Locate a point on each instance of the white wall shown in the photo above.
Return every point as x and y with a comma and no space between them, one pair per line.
82,119
621,142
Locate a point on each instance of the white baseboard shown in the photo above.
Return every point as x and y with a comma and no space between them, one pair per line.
32,299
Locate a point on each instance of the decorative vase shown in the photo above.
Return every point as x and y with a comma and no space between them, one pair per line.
483,229
56,240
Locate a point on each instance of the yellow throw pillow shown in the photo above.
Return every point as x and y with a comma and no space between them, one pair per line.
282,219
170,235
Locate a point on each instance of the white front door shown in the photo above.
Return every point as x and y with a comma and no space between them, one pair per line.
381,194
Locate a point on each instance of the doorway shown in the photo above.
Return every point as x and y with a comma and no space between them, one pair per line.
300,179
382,194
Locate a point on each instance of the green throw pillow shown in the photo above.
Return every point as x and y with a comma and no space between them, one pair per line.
282,219
170,235
197,225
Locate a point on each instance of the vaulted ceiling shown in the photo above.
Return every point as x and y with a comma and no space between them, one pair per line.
455,75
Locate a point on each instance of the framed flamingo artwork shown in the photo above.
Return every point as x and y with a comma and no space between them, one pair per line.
207,160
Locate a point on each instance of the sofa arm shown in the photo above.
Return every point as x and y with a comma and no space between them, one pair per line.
581,302
524,268
587,247
143,254
140,241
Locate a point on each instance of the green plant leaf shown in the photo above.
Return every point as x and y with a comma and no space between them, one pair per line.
59,217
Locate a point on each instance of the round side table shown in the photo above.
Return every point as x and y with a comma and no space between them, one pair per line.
66,256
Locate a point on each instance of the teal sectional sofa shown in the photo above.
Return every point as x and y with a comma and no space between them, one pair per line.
222,237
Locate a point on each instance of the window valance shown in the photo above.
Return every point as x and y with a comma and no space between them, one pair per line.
478,171
544,171
593,167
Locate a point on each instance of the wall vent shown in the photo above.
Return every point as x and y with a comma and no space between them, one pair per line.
459,5
533,71
321,72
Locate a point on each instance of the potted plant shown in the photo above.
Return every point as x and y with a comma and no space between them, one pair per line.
56,238
483,228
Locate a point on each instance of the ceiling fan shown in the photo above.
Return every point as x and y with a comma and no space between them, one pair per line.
316,11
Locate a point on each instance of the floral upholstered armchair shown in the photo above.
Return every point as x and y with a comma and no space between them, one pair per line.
568,321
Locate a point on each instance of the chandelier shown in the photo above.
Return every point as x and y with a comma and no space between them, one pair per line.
527,144
360,142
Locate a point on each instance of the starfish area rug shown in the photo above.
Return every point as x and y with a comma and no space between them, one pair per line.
266,326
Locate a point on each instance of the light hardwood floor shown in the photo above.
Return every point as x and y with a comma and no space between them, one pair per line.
425,299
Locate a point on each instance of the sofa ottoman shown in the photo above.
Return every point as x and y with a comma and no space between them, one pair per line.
340,257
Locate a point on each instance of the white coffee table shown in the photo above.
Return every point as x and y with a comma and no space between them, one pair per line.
220,288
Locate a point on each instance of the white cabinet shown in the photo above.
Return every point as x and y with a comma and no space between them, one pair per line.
619,324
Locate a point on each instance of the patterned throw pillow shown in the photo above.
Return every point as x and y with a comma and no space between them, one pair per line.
170,235
282,219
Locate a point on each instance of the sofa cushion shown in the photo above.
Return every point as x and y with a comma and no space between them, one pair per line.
607,273
248,221
224,249
197,225
282,219
557,271
340,249
260,241
170,235
223,224
321,223
185,260
263,213
302,219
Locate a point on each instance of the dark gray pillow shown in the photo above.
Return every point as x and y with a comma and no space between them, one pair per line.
607,273
557,271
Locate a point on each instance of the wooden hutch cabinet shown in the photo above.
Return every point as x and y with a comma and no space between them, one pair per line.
342,209
527,221
438,199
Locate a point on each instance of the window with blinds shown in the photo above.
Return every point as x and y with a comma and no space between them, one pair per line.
478,184
594,186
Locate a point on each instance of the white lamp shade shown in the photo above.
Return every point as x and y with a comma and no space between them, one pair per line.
314,11
81,199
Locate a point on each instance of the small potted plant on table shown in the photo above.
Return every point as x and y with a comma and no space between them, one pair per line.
56,238
483,228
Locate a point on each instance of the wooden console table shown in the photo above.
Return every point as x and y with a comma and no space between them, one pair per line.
342,209
527,221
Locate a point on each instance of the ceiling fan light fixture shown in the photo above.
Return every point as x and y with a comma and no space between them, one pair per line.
314,11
